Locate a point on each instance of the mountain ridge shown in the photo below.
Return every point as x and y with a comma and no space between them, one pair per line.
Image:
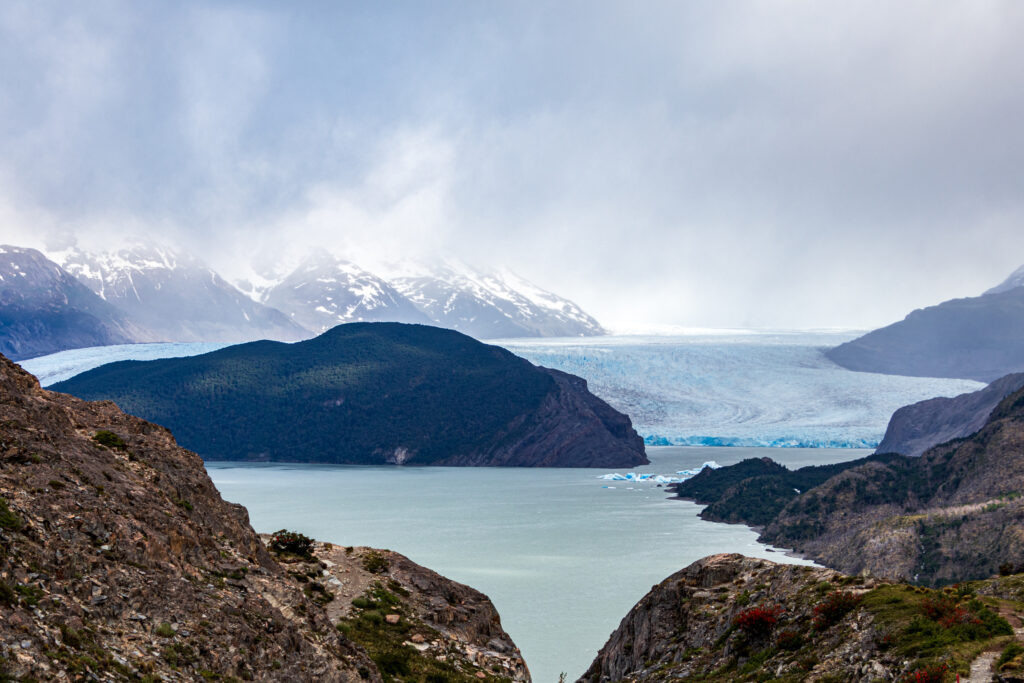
980,338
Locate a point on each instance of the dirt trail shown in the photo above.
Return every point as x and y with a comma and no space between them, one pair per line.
981,667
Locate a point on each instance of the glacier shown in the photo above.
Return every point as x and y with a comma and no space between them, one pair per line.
707,388
743,388
63,365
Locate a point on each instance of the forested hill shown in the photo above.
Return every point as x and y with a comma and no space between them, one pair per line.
371,393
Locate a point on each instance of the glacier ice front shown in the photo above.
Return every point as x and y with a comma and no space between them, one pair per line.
650,478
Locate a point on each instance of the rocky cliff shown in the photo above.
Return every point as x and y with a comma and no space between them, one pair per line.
120,561
915,428
734,618
372,393
953,514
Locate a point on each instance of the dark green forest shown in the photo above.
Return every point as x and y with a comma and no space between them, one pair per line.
355,394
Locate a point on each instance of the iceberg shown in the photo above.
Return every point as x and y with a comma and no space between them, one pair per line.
651,478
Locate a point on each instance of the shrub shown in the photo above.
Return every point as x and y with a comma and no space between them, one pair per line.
165,630
286,542
833,608
8,520
1011,652
105,437
789,640
758,621
375,563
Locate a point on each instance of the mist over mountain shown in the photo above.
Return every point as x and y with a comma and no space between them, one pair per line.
149,292
319,289
174,296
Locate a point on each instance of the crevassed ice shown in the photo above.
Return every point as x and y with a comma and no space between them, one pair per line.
749,389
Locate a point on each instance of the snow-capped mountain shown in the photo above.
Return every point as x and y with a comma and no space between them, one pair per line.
1016,279
325,291
490,304
175,296
44,309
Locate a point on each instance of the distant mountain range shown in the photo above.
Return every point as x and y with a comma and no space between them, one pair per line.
978,338
74,298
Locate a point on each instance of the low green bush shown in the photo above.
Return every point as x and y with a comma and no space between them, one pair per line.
105,437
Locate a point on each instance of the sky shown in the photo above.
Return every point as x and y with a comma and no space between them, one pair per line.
707,164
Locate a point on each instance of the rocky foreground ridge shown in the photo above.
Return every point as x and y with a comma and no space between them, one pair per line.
120,561
734,618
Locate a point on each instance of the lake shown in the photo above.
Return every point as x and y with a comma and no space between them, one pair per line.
563,554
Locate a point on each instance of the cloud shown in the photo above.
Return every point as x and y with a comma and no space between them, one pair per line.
815,164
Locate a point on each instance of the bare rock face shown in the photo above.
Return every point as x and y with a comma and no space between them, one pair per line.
915,428
119,561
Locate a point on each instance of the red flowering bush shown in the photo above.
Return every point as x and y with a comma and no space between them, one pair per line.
833,608
946,610
286,542
758,621
929,674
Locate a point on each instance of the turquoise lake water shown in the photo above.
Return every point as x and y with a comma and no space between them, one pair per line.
562,556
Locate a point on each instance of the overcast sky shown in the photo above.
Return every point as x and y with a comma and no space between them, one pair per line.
765,164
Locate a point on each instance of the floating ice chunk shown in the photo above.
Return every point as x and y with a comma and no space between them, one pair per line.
652,478
710,464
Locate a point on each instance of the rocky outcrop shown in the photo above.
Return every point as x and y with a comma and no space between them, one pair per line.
734,618
119,560
915,428
979,338
447,624
44,309
372,393
953,514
